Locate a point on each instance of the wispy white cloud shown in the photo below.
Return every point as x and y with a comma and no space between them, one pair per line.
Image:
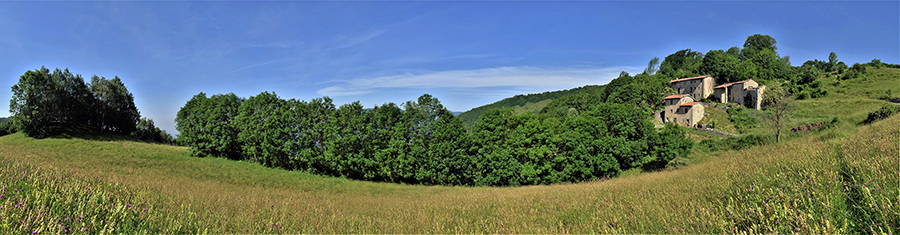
521,77
347,42
260,64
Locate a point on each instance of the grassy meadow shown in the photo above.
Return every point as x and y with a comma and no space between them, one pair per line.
812,184
839,180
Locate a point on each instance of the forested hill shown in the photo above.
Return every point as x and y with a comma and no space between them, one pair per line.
3,119
523,103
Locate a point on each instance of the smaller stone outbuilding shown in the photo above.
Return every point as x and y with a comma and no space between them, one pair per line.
688,114
699,87
682,110
738,92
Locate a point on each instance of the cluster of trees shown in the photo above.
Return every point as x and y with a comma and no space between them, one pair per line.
758,59
423,143
45,103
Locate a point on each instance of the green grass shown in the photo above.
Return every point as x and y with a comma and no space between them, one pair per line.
531,107
839,180
719,119
727,192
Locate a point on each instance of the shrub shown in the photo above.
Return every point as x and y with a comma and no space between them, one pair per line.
882,113
736,143
677,163
7,128
741,119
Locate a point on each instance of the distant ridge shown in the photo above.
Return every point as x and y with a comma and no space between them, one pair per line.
522,103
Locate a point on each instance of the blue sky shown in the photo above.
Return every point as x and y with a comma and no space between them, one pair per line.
466,54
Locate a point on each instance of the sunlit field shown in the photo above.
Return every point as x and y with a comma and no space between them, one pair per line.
806,185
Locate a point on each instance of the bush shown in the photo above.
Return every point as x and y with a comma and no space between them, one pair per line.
882,113
7,128
736,143
677,163
741,119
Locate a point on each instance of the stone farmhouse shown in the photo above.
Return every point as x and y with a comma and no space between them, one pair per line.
698,87
739,92
682,110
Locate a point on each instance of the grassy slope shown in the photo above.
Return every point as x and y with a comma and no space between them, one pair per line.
838,180
522,103
725,193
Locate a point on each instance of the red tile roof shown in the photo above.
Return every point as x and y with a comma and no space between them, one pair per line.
724,85
690,78
729,84
689,104
675,96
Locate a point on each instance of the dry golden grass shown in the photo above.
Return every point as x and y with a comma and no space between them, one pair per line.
729,192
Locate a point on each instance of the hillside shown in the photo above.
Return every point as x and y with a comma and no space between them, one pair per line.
817,183
522,103
4,119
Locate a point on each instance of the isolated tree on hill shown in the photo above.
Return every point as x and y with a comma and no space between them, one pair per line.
777,106
832,62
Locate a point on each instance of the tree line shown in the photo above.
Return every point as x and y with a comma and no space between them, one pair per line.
421,142
46,103
471,116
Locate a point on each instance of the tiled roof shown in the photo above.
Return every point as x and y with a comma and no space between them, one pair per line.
675,96
724,85
690,78
689,104
729,84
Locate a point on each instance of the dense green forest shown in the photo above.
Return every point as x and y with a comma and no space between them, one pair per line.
471,116
46,103
423,143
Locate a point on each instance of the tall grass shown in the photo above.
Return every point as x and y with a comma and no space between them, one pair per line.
808,185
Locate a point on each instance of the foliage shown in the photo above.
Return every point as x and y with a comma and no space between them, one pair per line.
7,128
46,103
760,42
678,163
882,113
683,63
845,187
147,131
735,143
208,125
777,115
742,119
652,66
471,116
423,143
116,110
